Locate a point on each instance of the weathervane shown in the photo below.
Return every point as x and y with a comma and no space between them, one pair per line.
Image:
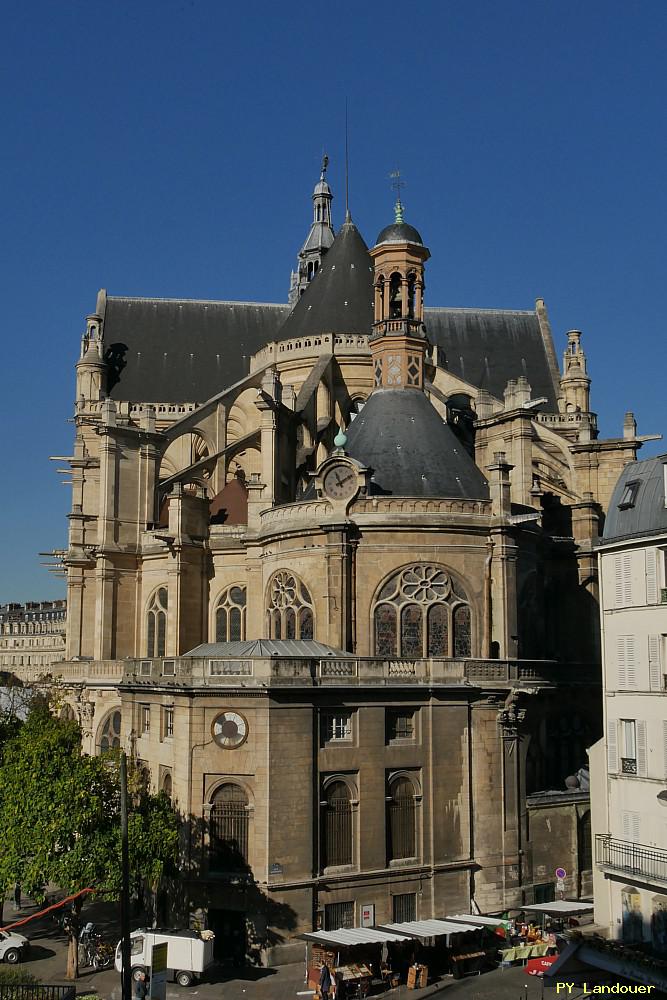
397,183
325,164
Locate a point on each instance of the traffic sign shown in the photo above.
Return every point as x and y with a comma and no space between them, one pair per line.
561,874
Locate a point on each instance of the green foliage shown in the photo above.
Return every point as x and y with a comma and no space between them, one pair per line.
15,975
60,814
153,838
58,810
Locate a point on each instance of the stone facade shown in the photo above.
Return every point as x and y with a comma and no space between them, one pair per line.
468,613
32,634
629,766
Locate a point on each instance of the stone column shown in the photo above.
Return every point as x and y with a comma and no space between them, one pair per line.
338,586
405,297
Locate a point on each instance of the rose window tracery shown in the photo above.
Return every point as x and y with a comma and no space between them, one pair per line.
289,608
422,611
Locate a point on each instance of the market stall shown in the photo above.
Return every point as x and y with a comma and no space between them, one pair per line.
446,946
501,926
360,959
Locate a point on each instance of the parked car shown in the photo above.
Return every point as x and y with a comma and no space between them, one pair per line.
13,947
188,955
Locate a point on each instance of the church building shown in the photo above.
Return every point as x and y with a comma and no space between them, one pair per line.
331,580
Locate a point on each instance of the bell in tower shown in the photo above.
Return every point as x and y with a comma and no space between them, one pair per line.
398,341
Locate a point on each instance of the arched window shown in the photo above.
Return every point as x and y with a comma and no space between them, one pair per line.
156,624
395,303
412,283
422,611
289,608
230,615
337,839
401,820
228,829
167,784
108,735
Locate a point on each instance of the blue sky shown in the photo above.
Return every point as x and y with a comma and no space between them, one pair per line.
169,149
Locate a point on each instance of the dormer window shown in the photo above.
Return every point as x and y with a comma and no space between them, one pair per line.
629,495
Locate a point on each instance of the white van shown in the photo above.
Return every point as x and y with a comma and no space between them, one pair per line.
187,955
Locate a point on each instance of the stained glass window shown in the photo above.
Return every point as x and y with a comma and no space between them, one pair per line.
156,624
385,630
230,615
109,733
420,612
411,631
289,611
462,630
438,630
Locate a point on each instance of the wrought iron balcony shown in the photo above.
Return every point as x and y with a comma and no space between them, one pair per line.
630,859
628,765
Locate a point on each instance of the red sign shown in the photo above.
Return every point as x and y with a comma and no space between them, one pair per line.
538,966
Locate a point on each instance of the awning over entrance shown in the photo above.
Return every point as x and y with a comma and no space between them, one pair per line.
347,937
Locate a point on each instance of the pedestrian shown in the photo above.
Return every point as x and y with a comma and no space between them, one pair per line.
140,986
17,896
325,981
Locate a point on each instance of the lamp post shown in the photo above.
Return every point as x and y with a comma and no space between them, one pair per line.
126,971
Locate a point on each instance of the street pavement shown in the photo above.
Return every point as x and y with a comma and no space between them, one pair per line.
48,958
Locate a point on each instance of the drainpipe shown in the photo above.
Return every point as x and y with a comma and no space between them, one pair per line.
487,600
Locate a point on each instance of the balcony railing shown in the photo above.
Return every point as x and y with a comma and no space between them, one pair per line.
631,859
628,765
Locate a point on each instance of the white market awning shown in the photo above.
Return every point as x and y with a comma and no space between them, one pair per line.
478,920
561,908
347,937
425,929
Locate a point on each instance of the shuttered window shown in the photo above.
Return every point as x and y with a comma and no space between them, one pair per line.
654,666
627,662
651,577
623,580
612,746
642,750
618,581
631,826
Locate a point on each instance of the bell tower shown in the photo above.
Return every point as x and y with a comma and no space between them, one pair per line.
398,342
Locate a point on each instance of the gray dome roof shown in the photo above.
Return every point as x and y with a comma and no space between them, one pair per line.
638,503
322,188
412,451
399,232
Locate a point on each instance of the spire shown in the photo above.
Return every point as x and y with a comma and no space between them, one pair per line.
319,239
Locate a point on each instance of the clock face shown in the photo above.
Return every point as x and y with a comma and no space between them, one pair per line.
340,482
229,730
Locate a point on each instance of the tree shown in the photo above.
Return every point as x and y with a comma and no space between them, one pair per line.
60,818
153,841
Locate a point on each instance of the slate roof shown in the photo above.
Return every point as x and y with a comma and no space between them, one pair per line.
185,350
488,347
188,350
401,436
648,513
339,299
250,648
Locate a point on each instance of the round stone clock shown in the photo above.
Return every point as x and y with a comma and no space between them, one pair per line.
230,730
340,482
